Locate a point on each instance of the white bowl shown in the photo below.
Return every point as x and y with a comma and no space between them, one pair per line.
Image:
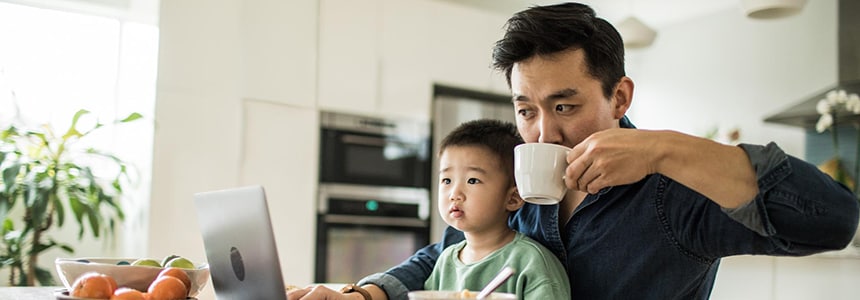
63,294
451,295
136,277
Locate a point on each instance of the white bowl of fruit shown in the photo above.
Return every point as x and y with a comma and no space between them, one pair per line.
101,278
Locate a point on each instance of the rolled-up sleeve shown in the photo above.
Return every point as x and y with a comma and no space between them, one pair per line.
800,207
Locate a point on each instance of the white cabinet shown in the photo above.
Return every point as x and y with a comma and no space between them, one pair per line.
383,56
349,53
373,57
407,87
280,153
278,50
463,46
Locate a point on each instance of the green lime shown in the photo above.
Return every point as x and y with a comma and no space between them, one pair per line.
167,259
180,262
146,262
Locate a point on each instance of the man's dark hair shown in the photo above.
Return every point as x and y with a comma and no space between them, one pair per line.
497,136
545,30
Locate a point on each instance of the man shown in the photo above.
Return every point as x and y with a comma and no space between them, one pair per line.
649,214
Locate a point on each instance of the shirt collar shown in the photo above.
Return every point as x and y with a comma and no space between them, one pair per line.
625,122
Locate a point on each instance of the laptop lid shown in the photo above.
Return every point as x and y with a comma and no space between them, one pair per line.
240,245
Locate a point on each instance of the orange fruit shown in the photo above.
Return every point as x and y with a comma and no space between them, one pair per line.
93,285
167,288
125,293
179,274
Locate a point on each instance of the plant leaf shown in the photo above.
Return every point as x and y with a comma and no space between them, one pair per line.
40,247
45,277
131,117
67,248
60,210
8,132
9,176
8,226
94,222
6,203
78,209
40,207
73,131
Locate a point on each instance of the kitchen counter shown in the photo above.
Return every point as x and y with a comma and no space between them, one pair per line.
47,292
29,293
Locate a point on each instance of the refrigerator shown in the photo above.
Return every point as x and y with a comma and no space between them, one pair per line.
449,111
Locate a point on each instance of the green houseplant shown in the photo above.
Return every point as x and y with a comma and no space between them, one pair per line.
44,176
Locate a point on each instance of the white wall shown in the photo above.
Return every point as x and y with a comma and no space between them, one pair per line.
730,71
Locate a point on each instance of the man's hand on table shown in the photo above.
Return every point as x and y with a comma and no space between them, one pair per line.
320,292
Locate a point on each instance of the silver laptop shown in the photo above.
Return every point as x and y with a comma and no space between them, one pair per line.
240,245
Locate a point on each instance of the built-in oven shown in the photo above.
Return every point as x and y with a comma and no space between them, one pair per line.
374,151
374,203
362,230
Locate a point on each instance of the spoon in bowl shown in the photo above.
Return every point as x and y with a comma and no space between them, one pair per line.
500,278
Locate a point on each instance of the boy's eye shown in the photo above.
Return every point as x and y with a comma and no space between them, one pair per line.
473,181
446,181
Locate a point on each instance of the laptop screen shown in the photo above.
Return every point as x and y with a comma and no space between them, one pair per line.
240,245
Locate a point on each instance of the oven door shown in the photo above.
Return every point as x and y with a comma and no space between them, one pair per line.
349,249
362,230
373,159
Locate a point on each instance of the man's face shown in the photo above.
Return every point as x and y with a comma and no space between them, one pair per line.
558,102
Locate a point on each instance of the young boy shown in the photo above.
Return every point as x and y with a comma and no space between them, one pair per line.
477,193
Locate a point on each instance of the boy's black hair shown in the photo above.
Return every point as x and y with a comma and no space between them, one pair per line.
497,136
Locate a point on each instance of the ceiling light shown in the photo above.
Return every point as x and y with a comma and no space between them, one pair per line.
635,33
771,9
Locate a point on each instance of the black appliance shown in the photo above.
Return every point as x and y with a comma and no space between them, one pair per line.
373,151
363,230
374,203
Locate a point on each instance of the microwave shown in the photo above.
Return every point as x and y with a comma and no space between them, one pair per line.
374,151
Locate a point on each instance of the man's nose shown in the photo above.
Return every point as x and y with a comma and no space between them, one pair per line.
549,130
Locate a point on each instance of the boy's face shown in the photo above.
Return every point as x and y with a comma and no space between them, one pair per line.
558,102
475,193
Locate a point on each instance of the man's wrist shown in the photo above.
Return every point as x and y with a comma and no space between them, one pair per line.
355,296
356,292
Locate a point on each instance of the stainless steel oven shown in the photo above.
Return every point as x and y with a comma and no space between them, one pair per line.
374,203
374,151
363,230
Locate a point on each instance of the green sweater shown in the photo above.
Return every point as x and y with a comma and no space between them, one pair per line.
538,274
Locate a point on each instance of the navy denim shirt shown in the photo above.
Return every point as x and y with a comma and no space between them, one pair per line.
657,239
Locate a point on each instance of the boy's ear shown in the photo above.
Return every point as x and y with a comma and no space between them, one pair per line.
514,201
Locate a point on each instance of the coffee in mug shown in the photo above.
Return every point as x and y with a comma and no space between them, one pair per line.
539,172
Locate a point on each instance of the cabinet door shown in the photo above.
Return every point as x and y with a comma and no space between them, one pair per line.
406,87
349,55
278,40
280,153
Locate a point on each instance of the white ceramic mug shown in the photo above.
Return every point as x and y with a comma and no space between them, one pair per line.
539,172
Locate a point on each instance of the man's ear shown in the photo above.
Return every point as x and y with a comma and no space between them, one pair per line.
622,97
514,201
